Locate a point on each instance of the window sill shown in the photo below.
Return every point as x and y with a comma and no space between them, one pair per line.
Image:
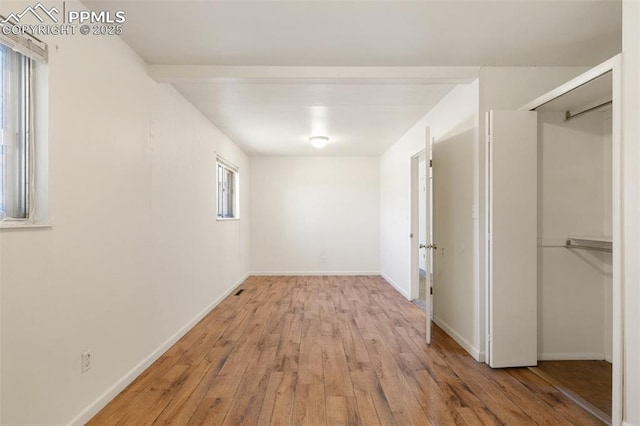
227,219
16,225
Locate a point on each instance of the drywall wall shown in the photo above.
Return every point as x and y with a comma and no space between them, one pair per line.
315,215
503,88
453,124
0,328
454,302
631,208
134,254
574,321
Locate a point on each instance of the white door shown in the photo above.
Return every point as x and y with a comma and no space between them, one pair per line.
426,250
420,235
512,239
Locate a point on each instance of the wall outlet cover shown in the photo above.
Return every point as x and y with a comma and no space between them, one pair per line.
85,361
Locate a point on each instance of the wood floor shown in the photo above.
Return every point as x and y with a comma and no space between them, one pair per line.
586,382
329,350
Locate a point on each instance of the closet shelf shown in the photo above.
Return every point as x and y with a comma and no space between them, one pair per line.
590,242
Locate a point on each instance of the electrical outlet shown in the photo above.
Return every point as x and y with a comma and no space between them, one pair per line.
85,361
323,259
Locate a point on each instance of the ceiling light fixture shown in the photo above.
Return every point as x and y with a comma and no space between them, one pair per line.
319,141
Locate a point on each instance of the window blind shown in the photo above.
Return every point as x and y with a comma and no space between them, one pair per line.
27,45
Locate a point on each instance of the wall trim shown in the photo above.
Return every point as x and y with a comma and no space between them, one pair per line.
130,376
311,273
466,345
585,356
396,286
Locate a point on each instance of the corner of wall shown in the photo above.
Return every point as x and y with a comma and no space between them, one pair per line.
130,376
398,288
466,345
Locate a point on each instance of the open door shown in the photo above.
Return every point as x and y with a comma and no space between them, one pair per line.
427,233
420,229
426,246
512,239
428,237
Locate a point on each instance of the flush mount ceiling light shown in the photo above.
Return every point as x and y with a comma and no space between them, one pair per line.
319,141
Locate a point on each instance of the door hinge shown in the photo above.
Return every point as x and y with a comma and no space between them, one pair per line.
430,290
430,163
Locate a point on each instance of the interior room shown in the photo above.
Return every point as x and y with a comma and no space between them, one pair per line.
286,212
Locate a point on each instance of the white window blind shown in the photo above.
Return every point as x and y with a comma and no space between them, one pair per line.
16,154
25,44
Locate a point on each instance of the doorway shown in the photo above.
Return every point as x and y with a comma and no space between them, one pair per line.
568,308
423,283
575,262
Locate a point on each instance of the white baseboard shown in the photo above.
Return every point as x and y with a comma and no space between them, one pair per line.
396,286
114,390
466,345
311,273
581,356
629,424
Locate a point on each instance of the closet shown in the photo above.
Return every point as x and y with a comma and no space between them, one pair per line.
575,243
554,298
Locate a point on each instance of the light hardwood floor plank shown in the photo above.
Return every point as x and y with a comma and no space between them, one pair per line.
312,350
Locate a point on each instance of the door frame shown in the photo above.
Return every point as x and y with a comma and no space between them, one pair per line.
613,65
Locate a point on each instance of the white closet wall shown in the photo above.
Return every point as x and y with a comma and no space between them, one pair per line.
574,291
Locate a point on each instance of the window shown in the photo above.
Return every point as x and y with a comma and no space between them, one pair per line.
15,146
23,128
227,190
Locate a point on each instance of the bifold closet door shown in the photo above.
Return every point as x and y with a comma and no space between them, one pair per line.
513,212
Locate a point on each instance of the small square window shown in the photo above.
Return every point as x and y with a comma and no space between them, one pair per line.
227,190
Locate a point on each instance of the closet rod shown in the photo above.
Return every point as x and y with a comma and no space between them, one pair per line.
583,247
568,116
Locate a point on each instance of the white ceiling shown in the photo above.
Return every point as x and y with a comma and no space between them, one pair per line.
362,116
270,118
371,33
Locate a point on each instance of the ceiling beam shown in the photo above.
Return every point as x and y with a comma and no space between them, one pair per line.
337,75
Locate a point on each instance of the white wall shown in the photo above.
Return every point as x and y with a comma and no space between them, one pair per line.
135,253
1,298
631,207
455,291
574,286
454,116
315,215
